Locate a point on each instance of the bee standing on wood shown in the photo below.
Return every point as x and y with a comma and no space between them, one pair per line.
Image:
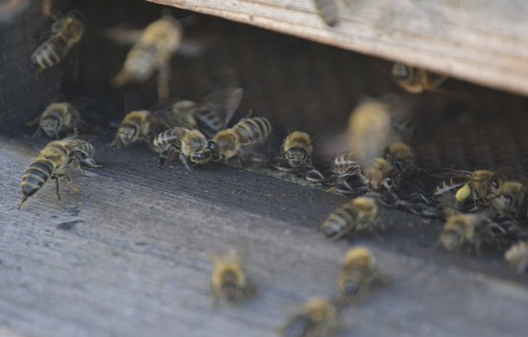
359,215
479,186
316,318
510,199
401,156
151,53
468,230
416,80
296,152
141,125
359,270
210,116
57,160
229,280
191,144
246,133
66,33
59,119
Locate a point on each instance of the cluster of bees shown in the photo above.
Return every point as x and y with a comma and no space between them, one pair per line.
376,166
318,316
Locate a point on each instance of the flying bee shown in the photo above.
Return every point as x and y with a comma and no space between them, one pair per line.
356,216
191,144
66,33
229,280
247,132
151,53
509,199
316,318
479,186
401,157
369,130
328,11
57,160
296,152
58,118
517,256
467,230
358,271
416,80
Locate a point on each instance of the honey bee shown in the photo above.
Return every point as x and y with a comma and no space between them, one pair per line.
510,199
296,152
359,270
229,280
247,132
416,80
140,125
57,160
469,230
316,318
346,165
212,115
369,130
191,144
82,152
66,33
479,186
359,215
59,118
381,175
401,157
151,53
328,11
517,256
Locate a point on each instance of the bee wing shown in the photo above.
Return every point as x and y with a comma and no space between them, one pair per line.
455,174
76,136
224,103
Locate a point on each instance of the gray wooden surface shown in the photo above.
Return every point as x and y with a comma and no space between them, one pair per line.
129,257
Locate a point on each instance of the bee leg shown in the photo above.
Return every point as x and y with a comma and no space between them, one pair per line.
185,162
167,153
163,81
57,190
70,183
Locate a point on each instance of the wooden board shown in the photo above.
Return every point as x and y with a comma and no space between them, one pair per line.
484,42
129,257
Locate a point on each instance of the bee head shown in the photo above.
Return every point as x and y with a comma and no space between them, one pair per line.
503,202
50,126
450,239
211,146
296,156
202,157
127,134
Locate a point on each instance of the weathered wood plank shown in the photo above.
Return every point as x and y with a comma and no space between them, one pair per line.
484,42
128,257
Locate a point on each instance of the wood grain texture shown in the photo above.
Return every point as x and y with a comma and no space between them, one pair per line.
129,257
484,42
